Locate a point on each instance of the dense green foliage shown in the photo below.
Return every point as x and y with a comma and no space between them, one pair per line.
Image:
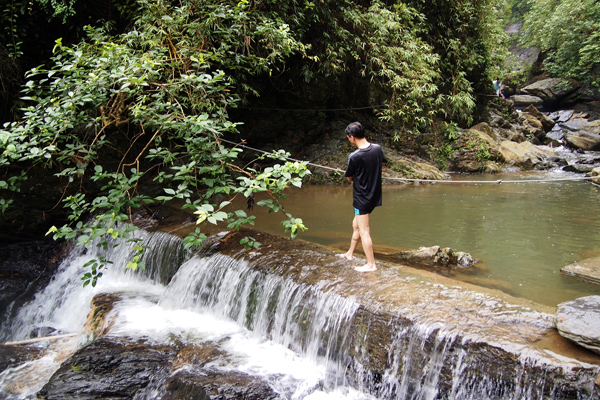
149,104
380,45
28,29
516,9
120,114
469,39
568,32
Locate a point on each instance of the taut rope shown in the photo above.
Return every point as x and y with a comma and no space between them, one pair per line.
499,181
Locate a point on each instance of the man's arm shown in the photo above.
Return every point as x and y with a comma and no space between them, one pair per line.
349,173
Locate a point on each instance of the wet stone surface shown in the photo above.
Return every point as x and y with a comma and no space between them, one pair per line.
407,323
504,339
213,385
24,268
117,367
110,367
579,320
588,270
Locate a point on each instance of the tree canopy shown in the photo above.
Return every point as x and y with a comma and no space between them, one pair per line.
568,32
121,113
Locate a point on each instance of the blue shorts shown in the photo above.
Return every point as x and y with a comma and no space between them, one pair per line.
362,212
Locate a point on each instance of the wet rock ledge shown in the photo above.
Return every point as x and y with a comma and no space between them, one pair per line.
419,327
497,338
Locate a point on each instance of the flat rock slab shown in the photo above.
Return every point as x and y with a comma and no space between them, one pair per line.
579,320
414,322
481,314
588,270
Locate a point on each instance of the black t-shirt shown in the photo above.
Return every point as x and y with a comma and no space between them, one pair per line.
365,165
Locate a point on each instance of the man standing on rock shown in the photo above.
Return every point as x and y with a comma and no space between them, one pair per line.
364,171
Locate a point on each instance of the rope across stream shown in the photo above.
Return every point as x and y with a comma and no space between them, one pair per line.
498,181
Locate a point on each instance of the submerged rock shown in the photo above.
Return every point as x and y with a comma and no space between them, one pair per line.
435,256
579,321
588,270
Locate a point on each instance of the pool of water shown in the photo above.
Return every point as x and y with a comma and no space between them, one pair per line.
522,233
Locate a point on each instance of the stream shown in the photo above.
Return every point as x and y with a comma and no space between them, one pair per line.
522,233
295,337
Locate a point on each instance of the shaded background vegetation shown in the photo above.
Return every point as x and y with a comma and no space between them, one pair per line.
119,105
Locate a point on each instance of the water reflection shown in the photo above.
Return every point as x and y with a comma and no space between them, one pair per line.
523,232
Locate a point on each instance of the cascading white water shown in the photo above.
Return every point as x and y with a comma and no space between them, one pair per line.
213,298
63,305
295,337
302,318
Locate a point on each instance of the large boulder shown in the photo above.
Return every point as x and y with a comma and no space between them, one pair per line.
579,129
579,321
525,100
587,93
583,140
583,134
580,123
109,368
476,150
545,121
551,90
526,155
533,127
419,170
561,115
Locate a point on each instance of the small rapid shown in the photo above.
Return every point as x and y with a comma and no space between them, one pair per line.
304,341
210,299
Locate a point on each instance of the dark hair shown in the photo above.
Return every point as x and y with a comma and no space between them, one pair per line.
355,129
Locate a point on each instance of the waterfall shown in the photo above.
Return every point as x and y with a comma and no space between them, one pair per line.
304,340
64,304
299,317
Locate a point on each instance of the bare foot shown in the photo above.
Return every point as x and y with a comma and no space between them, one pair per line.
345,256
366,268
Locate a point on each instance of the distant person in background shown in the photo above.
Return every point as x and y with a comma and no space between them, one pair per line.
364,171
498,87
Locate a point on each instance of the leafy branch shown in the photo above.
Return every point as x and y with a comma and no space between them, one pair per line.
119,114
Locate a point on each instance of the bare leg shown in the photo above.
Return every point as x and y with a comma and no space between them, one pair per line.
354,241
362,221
